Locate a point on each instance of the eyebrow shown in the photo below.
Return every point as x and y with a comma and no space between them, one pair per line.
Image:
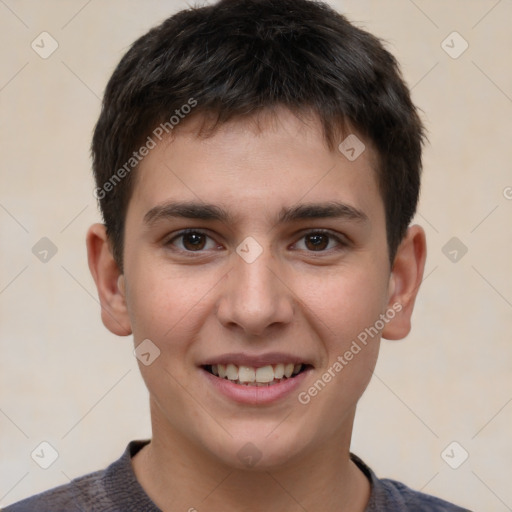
204,211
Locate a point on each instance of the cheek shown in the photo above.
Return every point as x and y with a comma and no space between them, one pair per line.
165,301
333,396
343,303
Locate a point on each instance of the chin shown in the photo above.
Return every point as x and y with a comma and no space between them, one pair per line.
260,452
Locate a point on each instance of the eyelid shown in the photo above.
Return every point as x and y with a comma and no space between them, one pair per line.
341,239
183,232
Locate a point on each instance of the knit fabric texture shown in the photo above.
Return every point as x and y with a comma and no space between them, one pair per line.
116,489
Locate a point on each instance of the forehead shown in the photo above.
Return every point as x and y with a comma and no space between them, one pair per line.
258,166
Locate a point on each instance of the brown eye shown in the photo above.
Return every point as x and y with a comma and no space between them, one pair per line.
317,241
192,241
321,241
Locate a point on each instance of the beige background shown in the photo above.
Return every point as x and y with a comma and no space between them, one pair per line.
66,380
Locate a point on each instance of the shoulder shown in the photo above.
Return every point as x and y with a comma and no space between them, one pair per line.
113,489
391,496
402,498
79,495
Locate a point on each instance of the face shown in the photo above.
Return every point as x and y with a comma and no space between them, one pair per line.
253,252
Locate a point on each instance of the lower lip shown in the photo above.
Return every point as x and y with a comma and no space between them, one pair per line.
255,395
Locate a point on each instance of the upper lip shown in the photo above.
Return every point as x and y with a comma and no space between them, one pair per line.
256,361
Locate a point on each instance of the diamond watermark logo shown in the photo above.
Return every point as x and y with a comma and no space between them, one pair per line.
249,454
454,455
44,250
146,352
44,45
454,45
352,147
249,250
454,249
44,455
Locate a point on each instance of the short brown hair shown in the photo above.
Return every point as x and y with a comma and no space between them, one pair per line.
239,57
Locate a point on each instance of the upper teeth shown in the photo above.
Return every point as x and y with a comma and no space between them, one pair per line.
263,375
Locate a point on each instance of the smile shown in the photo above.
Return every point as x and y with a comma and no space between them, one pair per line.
262,376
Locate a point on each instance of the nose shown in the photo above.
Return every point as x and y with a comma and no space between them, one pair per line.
256,296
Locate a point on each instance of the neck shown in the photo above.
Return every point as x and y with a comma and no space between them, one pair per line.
179,475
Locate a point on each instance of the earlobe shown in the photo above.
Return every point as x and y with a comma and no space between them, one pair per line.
404,282
109,281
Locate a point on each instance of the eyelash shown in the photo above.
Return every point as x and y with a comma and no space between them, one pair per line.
342,243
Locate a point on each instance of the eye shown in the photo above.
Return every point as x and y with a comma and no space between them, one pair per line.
322,241
192,240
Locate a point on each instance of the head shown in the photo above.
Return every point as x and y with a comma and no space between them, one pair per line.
256,122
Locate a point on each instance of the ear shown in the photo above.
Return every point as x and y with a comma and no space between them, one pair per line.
404,282
109,281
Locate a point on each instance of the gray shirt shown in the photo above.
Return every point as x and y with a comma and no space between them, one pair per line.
116,489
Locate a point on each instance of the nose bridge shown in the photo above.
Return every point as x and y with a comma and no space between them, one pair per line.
254,297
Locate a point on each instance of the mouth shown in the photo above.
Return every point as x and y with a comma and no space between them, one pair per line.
262,376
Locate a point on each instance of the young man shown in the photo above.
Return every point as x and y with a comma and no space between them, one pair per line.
257,164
